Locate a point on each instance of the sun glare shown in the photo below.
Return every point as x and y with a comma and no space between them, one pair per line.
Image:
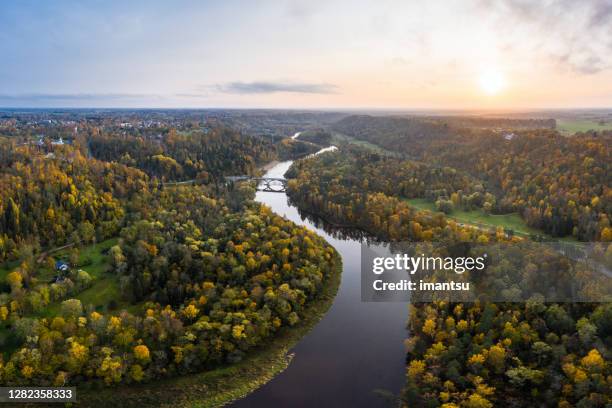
492,82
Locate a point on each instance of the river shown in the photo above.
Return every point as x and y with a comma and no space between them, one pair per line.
355,353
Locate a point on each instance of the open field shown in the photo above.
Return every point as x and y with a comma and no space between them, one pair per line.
340,138
571,126
511,221
105,286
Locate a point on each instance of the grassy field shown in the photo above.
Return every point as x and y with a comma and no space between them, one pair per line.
571,126
220,386
478,217
105,286
340,138
103,290
92,252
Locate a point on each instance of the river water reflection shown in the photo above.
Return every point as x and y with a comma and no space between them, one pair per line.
355,353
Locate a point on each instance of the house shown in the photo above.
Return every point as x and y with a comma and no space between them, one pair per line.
61,266
61,269
59,142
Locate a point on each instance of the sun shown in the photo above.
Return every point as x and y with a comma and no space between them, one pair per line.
492,81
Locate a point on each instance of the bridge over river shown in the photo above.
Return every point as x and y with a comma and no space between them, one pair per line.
269,184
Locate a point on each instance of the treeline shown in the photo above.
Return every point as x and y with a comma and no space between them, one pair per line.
275,124
173,156
498,123
559,185
411,136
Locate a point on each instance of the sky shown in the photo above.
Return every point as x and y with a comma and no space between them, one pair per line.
437,54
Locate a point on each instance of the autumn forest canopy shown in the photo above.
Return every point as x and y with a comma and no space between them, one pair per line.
128,256
481,354
559,185
197,274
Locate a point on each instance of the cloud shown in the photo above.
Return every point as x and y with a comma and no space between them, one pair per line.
70,96
300,10
575,35
602,13
587,65
78,99
130,99
195,95
266,87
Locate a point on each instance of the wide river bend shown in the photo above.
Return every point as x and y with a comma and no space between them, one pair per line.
355,353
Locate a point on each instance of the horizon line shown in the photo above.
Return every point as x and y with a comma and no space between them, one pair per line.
320,109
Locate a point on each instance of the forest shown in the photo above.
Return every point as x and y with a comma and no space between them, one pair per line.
476,354
557,184
204,273
62,196
191,274
173,156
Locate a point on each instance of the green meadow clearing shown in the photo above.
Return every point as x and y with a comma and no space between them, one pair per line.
103,292
104,287
341,138
511,221
571,126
